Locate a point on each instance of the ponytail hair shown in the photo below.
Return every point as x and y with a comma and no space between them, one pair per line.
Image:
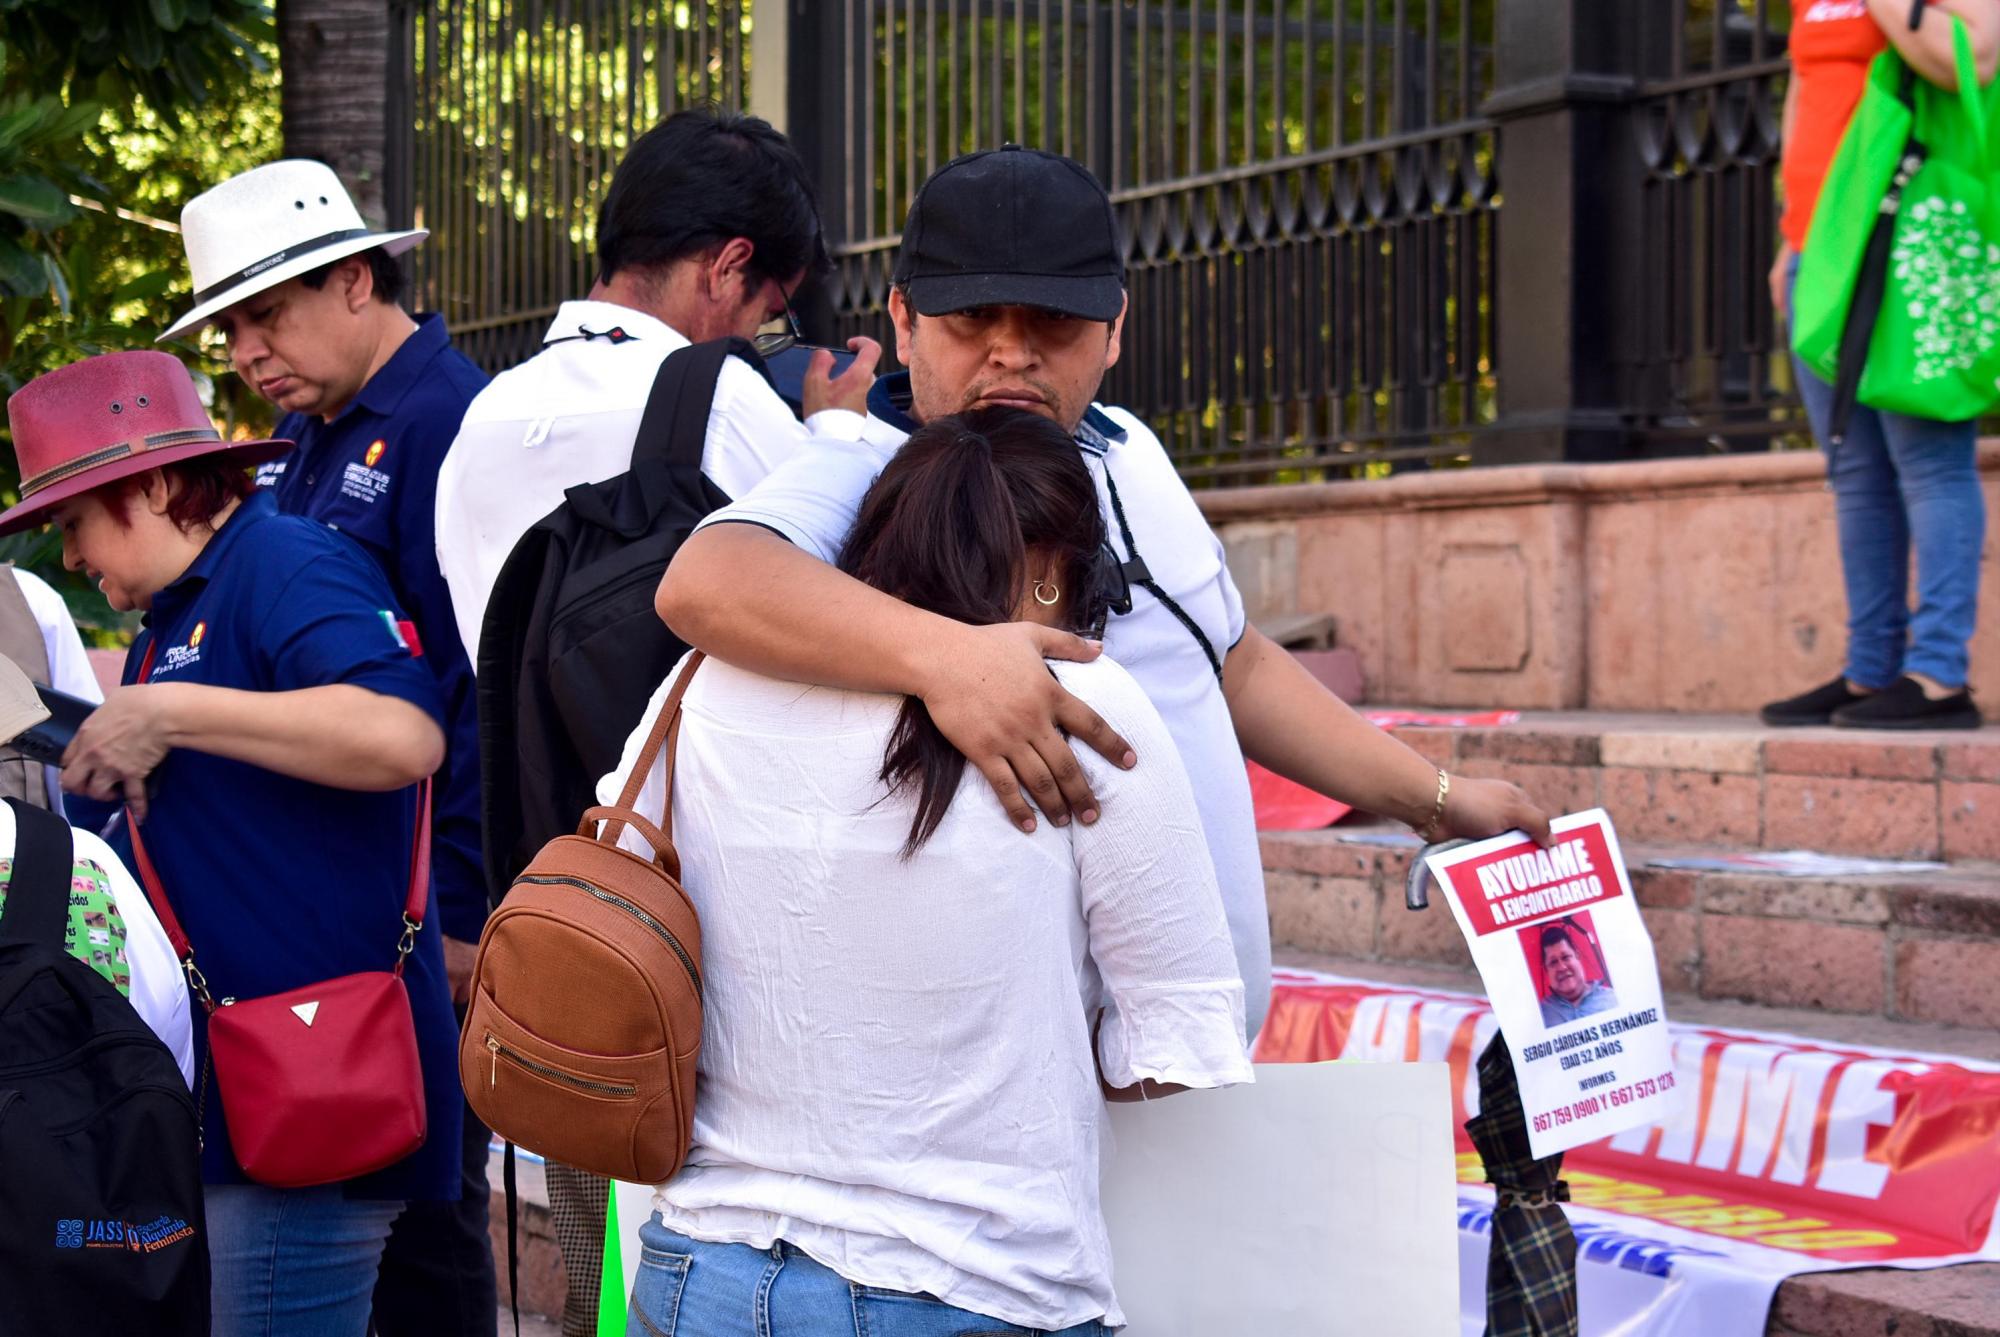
947,527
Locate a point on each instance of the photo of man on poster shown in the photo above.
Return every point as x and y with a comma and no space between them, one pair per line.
1570,989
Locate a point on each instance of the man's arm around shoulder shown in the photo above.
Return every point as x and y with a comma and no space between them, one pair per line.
747,596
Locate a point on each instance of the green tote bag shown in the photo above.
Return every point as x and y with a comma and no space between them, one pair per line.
1898,295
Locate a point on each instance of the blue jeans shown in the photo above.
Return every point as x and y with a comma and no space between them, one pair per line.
690,1289
437,1268
296,1262
1900,482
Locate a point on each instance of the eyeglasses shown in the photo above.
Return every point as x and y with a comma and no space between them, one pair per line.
770,345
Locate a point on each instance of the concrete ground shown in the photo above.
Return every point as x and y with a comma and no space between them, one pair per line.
532,1325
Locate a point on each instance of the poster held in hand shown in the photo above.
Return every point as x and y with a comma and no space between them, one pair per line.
1569,967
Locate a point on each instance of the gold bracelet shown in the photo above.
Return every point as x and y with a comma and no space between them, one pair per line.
1429,829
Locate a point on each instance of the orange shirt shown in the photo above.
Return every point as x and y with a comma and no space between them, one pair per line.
1832,43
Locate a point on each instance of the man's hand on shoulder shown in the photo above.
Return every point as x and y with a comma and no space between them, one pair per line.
849,390
992,696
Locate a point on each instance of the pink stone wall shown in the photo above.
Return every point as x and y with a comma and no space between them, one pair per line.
1691,585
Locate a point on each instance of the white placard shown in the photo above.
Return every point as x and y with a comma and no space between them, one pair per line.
1570,971
1317,1202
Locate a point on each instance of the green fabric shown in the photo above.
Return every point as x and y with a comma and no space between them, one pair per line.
95,933
1935,350
612,1301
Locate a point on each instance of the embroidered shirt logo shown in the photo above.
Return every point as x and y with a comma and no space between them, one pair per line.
361,480
179,657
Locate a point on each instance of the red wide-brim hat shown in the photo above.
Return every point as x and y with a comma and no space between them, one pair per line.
106,418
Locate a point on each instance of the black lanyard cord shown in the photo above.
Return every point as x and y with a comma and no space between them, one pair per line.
1151,586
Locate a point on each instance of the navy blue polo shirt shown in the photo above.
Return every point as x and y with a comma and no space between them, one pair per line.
372,473
280,882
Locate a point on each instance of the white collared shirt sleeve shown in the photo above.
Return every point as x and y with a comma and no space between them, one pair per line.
69,662
1232,598
1157,932
812,498
751,431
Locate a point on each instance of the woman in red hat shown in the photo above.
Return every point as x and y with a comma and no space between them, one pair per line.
272,725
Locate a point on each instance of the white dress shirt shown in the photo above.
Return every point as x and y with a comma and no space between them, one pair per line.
813,499
568,415
898,1073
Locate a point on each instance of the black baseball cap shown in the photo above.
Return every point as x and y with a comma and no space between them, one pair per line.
1013,227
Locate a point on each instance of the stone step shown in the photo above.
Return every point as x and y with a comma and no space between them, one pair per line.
1728,782
1961,1301
1921,947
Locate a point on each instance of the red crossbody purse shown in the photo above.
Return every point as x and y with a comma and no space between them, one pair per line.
322,1083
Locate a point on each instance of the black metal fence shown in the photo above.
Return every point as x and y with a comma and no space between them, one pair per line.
1307,192
1709,362
513,115
1313,194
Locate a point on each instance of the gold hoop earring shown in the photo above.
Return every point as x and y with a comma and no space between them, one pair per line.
1052,598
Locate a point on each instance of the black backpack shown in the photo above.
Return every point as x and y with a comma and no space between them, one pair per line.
571,649
101,1223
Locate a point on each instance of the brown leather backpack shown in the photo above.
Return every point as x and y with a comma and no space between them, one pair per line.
585,1017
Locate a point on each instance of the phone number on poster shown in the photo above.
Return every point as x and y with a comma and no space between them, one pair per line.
1589,1105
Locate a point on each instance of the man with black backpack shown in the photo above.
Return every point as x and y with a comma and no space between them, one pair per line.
575,475
710,225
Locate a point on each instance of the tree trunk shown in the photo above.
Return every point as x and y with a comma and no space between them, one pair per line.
333,61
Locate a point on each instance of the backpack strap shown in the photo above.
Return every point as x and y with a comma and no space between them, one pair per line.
666,734
38,891
674,427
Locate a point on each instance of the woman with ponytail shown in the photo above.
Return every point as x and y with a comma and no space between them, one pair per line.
914,1013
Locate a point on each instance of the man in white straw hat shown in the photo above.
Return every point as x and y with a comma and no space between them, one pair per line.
307,298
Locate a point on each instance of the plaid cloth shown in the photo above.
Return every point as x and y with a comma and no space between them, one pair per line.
578,1201
1531,1263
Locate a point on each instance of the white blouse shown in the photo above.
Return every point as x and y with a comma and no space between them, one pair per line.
897,1072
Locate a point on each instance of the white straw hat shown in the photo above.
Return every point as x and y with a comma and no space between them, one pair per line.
270,224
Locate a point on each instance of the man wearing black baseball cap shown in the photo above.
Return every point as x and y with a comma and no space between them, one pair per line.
1009,292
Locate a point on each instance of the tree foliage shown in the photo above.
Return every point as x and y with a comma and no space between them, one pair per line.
117,112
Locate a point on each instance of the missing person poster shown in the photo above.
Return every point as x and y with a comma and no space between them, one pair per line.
1570,971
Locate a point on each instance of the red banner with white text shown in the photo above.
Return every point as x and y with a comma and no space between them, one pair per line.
1835,1155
